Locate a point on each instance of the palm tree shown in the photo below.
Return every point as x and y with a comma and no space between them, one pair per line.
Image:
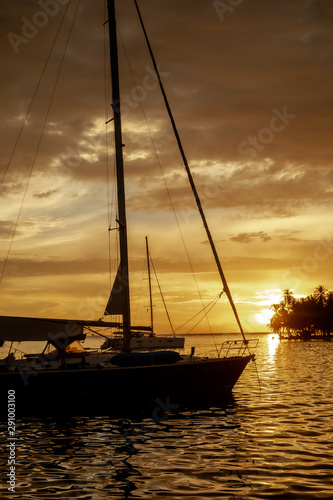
320,294
287,304
275,322
304,317
288,299
328,314
280,321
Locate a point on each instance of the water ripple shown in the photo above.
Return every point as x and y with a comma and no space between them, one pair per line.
270,445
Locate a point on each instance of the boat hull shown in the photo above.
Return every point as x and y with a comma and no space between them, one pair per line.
158,342
107,390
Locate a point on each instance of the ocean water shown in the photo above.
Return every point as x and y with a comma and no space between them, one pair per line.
272,440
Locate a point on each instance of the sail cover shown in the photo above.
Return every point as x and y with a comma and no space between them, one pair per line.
18,329
115,304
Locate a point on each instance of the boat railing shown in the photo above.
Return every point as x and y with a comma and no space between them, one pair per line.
237,347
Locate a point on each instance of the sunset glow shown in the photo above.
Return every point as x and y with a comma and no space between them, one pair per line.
251,97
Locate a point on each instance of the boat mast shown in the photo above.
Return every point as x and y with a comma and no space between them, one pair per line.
120,177
150,294
189,174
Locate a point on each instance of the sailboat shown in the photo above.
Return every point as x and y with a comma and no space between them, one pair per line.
140,340
71,377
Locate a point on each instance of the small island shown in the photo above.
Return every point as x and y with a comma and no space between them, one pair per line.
307,318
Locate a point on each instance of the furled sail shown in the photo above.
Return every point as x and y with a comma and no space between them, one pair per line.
20,329
115,303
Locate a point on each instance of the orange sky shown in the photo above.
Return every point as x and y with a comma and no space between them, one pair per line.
250,88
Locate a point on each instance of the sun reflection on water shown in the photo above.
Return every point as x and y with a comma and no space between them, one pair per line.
273,342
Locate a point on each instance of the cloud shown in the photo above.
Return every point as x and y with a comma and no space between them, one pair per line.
224,79
249,237
46,194
25,267
6,229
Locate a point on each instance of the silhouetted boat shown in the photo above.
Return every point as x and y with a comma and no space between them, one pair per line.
71,378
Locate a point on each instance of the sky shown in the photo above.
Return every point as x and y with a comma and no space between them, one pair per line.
250,86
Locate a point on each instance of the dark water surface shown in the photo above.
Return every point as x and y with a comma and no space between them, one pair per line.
270,444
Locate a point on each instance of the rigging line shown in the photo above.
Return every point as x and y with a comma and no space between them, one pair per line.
110,199
189,174
38,144
160,289
202,319
197,314
94,332
169,194
206,311
141,293
33,98
16,349
112,206
106,93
